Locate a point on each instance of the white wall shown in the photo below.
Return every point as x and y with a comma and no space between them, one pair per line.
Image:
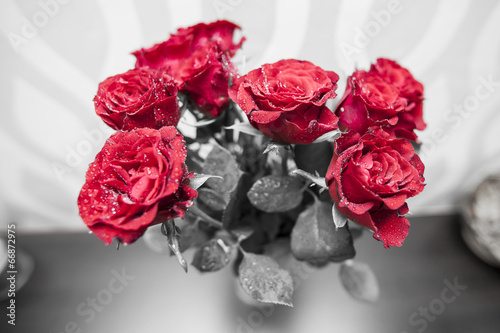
48,80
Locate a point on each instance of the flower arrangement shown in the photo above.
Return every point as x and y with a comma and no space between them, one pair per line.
271,165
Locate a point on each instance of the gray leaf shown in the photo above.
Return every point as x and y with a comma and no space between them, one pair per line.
338,218
245,128
330,136
221,163
263,279
212,199
274,194
316,239
172,232
200,179
359,281
214,255
320,181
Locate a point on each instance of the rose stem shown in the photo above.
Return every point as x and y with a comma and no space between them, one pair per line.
284,162
206,218
316,200
229,119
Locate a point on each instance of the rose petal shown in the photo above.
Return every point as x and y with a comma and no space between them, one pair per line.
391,229
264,117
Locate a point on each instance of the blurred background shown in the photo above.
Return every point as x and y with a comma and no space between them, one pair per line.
55,52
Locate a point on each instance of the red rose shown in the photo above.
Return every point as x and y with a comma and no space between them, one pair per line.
138,179
387,95
138,98
370,177
286,100
199,60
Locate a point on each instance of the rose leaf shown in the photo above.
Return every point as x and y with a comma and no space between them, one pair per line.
200,179
192,236
273,147
316,239
359,281
214,254
329,136
245,127
173,234
320,181
197,123
211,199
273,194
338,218
231,216
221,163
264,280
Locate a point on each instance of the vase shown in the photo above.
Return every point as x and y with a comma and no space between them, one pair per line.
480,220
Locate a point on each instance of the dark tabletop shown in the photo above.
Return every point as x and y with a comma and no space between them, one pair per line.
431,284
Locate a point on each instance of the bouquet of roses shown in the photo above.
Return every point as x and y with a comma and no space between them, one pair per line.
270,167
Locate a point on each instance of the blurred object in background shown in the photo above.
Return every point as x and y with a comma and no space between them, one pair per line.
481,217
23,266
